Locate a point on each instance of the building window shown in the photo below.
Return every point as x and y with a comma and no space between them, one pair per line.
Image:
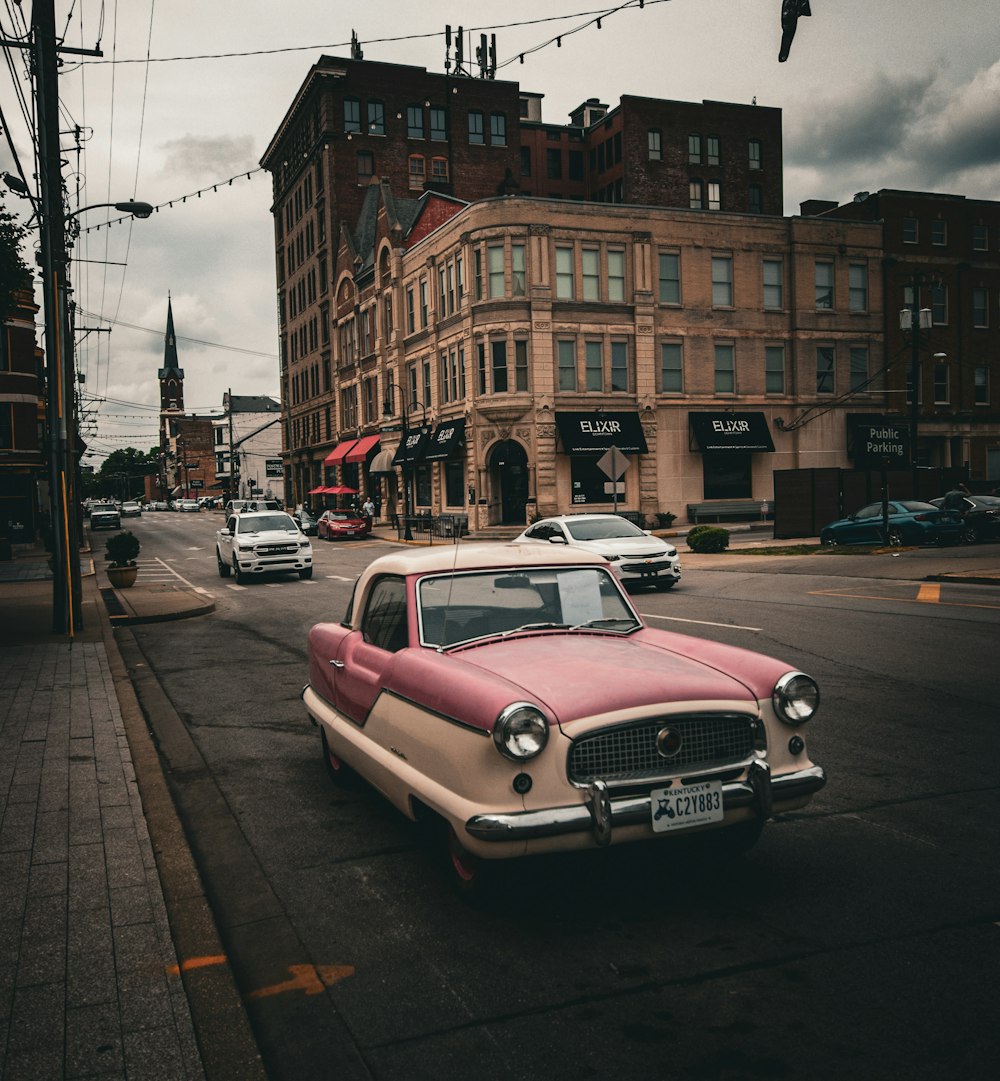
714,195
725,369
774,369
619,366
593,364
376,118
439,170
980,238
980,307
366,166
591,274
982,386
417,172
695,198
494,269
410,317
439,124
481,367
774,290
654,138
352,114
476,130
755,199
499,359
672,368
498,129
824,286
415,121
518,270
911,231
857,287
859,368
553,164
423,303
941,384
722,281
753,151
575,164
520,365
670,278
616,276
939,304
564,274
825,383
713,149
566,353
525,161
694,149
939,232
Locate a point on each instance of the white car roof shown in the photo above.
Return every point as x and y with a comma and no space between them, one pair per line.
477,556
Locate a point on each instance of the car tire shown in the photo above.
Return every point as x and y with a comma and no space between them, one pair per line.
224,569
970,534
306,574
895,538
240,576
336,768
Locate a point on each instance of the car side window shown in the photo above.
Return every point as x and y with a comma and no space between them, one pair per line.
384,621
870,511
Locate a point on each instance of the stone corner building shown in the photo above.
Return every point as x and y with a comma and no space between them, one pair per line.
515,298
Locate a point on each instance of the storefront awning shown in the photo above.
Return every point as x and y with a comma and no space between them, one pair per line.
381,463
339,452
339,489
731,431
446,440
364,446
411,450
594,433
317,491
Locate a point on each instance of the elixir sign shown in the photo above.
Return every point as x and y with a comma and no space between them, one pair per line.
885,445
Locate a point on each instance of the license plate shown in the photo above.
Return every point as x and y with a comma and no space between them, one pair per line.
686,805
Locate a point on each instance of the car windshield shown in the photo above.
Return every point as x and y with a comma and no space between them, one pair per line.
456,608
589,529
991,501
261,522
340,516
101,508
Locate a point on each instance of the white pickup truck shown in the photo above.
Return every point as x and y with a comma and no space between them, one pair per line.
255,544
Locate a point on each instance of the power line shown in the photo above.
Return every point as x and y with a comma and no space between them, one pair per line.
180,337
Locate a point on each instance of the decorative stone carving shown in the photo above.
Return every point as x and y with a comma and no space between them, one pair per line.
644,328
543,324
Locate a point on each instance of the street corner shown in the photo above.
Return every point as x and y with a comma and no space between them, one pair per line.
157,603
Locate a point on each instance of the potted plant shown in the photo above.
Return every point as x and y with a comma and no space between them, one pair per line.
120,551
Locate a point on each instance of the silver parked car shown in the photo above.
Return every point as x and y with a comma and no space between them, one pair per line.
105,516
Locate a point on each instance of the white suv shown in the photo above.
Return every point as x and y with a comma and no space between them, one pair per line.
255,544
637,557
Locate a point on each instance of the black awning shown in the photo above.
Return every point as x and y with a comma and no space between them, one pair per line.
446,440
731,431
594,433
411,449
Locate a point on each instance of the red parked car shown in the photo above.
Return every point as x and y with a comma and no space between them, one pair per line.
336,524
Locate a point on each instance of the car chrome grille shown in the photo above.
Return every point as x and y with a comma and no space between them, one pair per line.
649,565
276,549
628,752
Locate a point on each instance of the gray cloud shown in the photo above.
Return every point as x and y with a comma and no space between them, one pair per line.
208,156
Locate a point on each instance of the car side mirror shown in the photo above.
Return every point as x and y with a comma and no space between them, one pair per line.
557,538
225,533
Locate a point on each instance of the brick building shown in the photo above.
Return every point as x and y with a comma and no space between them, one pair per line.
947,248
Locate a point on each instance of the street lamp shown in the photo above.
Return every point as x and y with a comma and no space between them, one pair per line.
407,460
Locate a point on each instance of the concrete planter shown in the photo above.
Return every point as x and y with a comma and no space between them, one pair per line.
122,577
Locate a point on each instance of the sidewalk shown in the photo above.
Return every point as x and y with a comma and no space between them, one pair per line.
102,916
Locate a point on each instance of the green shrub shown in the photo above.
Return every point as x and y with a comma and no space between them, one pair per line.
121,549
708,539
696,529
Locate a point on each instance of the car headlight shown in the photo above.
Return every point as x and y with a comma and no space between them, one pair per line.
796,697
521,731
612,558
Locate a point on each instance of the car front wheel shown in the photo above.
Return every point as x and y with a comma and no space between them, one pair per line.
306,573
224,569
970,534
896,538
240,576
471,877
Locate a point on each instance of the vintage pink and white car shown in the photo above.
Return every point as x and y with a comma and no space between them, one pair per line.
513,695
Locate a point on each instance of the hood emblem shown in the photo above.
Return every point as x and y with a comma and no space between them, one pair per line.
668,742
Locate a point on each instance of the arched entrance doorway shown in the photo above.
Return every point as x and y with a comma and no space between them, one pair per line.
508,472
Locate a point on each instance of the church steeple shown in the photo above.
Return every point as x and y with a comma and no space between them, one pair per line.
171,374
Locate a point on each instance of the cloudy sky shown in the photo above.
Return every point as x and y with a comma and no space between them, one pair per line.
890,94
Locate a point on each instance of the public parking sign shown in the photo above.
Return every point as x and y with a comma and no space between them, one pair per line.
885,445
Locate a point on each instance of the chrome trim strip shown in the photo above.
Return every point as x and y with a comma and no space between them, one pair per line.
635,810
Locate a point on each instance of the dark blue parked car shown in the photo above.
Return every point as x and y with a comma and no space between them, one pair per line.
911,522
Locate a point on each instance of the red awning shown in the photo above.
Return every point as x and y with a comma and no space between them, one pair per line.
340,489
317,491
364,446
336,456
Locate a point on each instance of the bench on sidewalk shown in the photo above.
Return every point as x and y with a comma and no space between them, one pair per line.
728,508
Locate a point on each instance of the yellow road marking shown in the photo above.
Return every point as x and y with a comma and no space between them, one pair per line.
196,962
309,978
919,598
930,592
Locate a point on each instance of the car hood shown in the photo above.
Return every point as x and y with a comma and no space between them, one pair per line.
579,674
626,546
269,536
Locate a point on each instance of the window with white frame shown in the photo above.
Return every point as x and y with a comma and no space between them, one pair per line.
494,269
616,276
498,356
939,232
695,196
672,367
722,281
824,285
774,290
654,139
725,368
857,287
424,308
825,370
564,274
439,170
518,270
774,369
694,149
411,324
520,364
670,278
481,376
566,356
591,267
714,195
417,172
593,365
859,368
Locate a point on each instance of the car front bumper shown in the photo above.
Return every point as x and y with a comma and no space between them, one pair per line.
600,814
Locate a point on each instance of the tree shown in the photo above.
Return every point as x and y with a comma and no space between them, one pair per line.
14,272
122,471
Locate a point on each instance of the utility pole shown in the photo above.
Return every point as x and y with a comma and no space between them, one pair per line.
233,472
915,319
